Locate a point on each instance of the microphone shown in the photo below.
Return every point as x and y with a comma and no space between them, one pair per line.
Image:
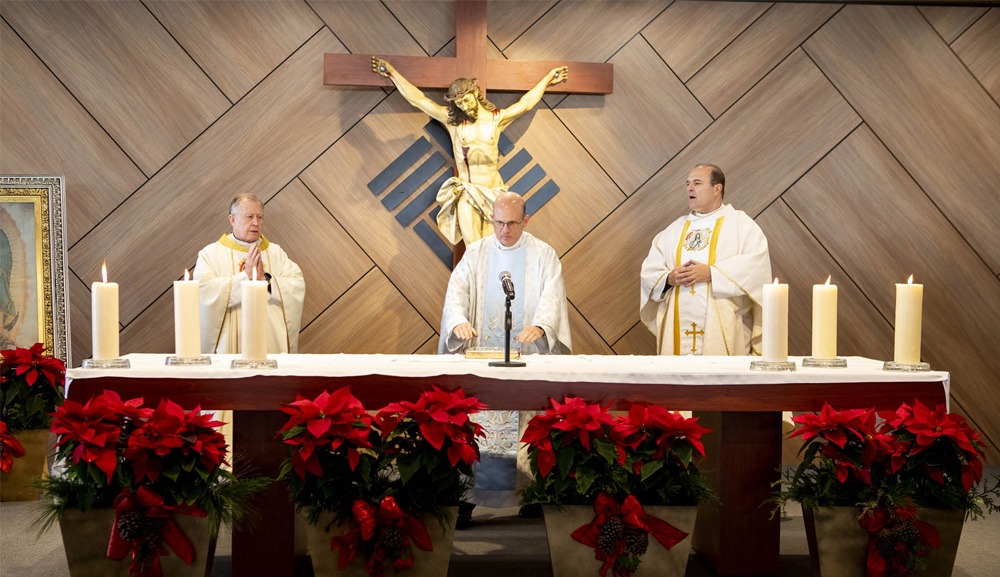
508,285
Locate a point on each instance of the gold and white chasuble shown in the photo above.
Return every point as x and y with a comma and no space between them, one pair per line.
722,316
220,275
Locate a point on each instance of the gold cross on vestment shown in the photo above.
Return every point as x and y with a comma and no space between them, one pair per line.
694,332
692,289
469,62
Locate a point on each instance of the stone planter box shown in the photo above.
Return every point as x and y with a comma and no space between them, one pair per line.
18,484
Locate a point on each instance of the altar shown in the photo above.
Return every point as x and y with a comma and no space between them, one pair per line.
736,537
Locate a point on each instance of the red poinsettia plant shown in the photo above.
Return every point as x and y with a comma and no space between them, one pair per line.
31,387
380,476
148,463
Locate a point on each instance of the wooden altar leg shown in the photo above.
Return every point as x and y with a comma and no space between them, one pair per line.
743,451
265,549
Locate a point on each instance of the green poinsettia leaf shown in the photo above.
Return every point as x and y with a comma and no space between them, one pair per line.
408,467
585,477
564,461
606,449
172,472
684,452
650,468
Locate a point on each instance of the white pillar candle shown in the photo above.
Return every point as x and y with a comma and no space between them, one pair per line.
824,333
104,317
909,305
253,324
775,329
187,330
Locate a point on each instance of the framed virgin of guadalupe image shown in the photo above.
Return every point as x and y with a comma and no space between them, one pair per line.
33,289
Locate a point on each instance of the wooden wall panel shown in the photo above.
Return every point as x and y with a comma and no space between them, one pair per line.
153,330
79,321
689,34
329,258
237,43
924,105
372,316
43,130
979,48
585,339
755,52
951,21
637,341
258,147
366,27
763,129
430,22
153,88
880,239
508,19
651,115
430,346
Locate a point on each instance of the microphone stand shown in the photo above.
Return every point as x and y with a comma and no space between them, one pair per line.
506,341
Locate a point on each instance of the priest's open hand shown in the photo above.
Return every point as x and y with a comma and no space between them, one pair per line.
530,335
465,332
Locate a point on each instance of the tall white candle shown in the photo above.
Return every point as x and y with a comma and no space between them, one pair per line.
909,305
824,333
187,329
775,335
253,322
104,317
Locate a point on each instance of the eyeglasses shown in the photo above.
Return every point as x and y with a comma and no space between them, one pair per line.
500,225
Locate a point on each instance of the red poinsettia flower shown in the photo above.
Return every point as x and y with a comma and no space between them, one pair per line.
92,429
832,425
169,428
577,420
338,420
34,362
146,553
10,448
367,526
441,416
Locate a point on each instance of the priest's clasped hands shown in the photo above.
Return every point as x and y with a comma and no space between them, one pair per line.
465,332
690,273
254,261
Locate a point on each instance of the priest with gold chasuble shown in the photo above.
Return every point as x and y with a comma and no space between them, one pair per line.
701,284
239,257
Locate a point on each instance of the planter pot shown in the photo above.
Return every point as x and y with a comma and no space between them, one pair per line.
837,542
18,484
86,535
573,559
425,563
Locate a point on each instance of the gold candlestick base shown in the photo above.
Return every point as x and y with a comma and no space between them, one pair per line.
254,364
837,363
188,361
772,366
906,367
118,363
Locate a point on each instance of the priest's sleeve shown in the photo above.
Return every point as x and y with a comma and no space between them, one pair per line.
288,290
653,279
458,305
551,314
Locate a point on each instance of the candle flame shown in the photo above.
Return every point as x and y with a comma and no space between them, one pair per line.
187,275
775,280
254,273
910,280
828,280
104,270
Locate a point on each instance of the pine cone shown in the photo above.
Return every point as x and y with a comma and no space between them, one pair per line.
130,526
906,532
152,529
390,537
886,542
636,542
609,534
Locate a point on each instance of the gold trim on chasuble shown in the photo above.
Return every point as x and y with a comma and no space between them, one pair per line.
230,243
711,261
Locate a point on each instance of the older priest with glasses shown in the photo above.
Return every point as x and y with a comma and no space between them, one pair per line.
473,317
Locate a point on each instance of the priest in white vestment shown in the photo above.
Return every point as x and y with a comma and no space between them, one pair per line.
473,317
702,282
236,258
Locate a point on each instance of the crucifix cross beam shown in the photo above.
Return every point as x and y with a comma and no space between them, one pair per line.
469,62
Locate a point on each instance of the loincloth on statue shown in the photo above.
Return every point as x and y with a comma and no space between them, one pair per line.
480,201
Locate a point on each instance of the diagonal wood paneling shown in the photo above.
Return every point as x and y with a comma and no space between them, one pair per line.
689,34
366,27
951,21
758,49
389,326
880,239
430,346
799,260
508,19
925,106
153,330
979,48
79,321
237,43
647,120
329,258
764,129
637,341
430,22
585,339
43,130
151,98
258,147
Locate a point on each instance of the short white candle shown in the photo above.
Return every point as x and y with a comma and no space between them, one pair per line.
104,317
909,305
824,329
187,329
775,328
253,324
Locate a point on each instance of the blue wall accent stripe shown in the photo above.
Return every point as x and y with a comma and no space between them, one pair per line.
505,145
529,180
541,196
411,182
515,164
434,242
399,166
433,214
440,134
426,198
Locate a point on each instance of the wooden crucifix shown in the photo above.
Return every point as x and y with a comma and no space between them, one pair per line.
473,123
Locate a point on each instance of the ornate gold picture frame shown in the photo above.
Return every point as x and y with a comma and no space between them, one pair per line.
33,289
